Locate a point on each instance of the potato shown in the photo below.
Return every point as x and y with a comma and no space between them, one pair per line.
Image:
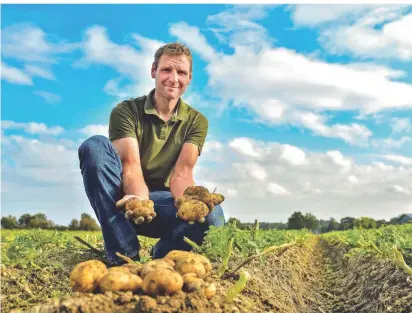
128,268
202,194
140,211
156,265
191,265
86,276
177,256
162,282
191,210
194,283
120,281
209,290
196,203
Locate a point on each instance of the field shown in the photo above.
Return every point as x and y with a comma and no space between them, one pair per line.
288,271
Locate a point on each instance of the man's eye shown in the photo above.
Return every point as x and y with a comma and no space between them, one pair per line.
166,70
182,73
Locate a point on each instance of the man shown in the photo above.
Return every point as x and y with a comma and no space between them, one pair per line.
154,144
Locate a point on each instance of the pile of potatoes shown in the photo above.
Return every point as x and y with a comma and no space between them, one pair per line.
178,270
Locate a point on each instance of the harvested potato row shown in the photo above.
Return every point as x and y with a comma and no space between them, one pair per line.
139,211
179,269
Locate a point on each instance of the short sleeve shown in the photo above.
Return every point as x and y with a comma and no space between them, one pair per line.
198,131
122,122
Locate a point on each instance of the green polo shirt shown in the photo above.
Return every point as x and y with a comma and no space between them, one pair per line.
160,142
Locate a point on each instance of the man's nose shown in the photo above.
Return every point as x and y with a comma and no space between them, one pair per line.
174,77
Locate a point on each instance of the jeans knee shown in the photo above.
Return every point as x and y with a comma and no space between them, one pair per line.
217,217
92,144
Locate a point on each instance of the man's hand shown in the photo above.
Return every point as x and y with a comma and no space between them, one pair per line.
137,210
196,203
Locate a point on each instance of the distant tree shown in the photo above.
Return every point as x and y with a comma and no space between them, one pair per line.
347,223
365,222
333,225
88,223
74,224
394,220
296,221
40,220
24,220
310,221
60,227
239,224
9,222
380,223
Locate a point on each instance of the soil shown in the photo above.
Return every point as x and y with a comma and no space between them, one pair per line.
312,278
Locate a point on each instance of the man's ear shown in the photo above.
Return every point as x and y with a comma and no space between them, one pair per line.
153,70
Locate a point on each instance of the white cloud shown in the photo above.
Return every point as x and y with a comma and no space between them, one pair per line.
29,43
48,96
365,31
133,65
354,133
237,26
400,125
293,155
33,127
399,189
277,189
246,147
398,159
327,184
339,159
99,129
390,143
42,72
14,75
194,39
314,15
42,176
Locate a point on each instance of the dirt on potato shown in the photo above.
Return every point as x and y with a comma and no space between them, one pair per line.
305,279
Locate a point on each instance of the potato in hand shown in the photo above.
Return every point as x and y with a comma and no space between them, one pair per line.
196,203
138,211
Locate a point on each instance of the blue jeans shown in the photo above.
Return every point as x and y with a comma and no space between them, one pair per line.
101,169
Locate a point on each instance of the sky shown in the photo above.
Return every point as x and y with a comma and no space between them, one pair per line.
309,106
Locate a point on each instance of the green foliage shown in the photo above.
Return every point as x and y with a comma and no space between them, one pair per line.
40,248
296,221
247,242
74,224
9,222
88,223
381,242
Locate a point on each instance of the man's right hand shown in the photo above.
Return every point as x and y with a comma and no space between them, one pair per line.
137,210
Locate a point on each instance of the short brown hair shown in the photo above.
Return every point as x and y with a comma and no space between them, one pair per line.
173,49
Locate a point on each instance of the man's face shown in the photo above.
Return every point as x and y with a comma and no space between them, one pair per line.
172,76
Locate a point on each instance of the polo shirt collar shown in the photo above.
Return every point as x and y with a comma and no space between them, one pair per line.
180,113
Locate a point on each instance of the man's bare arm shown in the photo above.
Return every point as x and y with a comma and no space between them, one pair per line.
132,180
182,176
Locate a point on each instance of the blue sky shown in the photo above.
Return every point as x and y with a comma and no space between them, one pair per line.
309,106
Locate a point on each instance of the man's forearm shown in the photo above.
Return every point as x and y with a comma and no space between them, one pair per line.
134,184
179,183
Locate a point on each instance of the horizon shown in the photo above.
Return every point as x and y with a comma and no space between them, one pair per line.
309,106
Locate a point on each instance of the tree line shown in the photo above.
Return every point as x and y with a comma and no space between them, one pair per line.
298,220
40,220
